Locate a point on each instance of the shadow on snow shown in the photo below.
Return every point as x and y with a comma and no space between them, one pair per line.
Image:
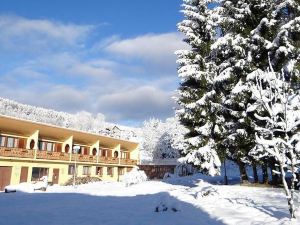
74,208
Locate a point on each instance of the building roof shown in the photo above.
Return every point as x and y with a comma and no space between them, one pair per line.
25,127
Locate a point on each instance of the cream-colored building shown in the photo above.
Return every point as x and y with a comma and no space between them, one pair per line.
29,150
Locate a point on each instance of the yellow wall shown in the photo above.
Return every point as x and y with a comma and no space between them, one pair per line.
63,170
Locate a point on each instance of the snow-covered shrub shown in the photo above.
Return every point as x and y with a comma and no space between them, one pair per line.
135,176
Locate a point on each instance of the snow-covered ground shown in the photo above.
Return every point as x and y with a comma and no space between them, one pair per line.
186,201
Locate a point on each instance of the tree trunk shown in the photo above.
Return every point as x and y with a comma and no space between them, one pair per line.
243,173
289,195
265,173
255,176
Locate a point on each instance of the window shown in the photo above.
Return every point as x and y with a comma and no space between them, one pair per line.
38,172
116,154
2,141
49,146
31,145
94,151
99,171
9,142
125,155
71,170
12,142
46,146
67,148
110,171
103,152
86,170
121,170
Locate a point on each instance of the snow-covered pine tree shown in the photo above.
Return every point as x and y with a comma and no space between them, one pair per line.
196,96
277,110
277,38
235,20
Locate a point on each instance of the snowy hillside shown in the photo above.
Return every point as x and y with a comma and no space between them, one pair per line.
83,121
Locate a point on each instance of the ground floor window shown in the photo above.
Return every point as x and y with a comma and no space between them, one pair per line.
121,170
99,171
86,170
110,171
38,172
71,170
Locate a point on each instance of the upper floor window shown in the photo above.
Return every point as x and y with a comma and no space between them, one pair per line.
2,141
125,155
67,148
116,154
82,150
9,142
46,146
103,152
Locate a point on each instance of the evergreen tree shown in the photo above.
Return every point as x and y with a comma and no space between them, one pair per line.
196,96
235,20
275,42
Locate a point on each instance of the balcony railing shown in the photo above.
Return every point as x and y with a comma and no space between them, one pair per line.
62,156
52,155
84,158
108,160
128,162
16,152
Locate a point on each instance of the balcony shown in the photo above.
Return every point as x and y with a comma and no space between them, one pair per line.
128,162
16,152
62,156
85,158
52,155
108,160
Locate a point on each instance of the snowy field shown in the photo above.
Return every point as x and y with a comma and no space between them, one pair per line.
186,201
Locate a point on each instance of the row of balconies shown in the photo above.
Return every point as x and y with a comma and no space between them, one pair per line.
62,156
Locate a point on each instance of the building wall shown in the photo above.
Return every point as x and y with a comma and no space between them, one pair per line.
24,151
63,171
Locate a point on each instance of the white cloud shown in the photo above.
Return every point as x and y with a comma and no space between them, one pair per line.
56,69
23,34
157,48
137,103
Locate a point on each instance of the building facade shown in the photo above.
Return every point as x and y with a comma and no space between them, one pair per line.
30,150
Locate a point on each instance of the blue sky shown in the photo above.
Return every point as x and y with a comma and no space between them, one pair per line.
110,57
